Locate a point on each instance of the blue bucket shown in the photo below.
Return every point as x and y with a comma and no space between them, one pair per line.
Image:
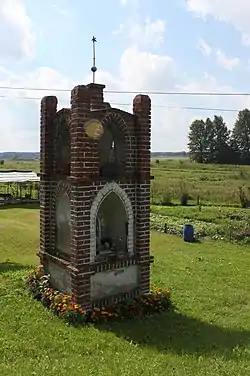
188,233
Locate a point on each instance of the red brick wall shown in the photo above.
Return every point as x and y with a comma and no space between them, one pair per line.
84,183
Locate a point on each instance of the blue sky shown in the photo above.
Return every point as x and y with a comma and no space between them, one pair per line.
163,45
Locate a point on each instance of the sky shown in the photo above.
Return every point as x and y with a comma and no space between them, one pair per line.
142,46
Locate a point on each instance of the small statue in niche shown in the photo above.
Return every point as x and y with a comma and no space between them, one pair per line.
112,153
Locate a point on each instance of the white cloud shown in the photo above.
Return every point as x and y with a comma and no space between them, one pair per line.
118,30
148,32
146,71
125,3
232,12
227,62
59,10
143,33
222,59
204,47
16,24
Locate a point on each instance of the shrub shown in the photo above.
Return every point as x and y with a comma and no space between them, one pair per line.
184,196
243,197
166,198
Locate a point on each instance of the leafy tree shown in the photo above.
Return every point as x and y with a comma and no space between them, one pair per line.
209,136
221,137
241,136
197,141
210,142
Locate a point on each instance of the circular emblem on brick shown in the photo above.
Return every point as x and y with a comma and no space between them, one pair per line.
93,129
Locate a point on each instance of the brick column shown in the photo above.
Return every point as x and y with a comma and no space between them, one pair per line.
47,130
142,111
80,169
96,96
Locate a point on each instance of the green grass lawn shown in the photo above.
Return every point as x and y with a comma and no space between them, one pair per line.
208,334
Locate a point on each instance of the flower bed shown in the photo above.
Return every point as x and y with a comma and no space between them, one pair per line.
63,305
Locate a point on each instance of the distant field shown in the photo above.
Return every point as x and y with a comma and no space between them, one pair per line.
214,184
21,165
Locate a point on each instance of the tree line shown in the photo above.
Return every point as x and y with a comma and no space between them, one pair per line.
210,141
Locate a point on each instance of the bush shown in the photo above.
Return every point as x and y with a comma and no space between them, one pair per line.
184,196
243,197
166,198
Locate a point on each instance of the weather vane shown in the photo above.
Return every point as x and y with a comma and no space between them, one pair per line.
94,69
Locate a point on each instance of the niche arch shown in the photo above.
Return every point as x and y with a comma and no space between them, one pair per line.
113,146
102,195
62,220
62,143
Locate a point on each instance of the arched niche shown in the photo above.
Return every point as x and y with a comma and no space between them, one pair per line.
112,151
63,144
111,222
63,224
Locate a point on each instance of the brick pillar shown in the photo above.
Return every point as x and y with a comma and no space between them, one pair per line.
80,169
142,111
96,96
47,130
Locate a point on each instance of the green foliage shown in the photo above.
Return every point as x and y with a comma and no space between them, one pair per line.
210,141
213,222
244,197
197,141
184,196
241,136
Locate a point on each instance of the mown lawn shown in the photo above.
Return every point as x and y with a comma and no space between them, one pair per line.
208,334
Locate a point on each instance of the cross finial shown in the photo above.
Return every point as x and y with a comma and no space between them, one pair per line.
94,69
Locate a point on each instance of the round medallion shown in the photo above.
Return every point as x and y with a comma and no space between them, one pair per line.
93,129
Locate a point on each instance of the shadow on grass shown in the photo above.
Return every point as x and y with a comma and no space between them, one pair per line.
20,206
9,266
183,335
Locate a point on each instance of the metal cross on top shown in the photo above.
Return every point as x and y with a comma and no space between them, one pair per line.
94,69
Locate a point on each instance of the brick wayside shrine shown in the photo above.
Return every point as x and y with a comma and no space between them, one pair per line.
95,197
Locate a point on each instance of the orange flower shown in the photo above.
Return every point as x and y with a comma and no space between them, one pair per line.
81,311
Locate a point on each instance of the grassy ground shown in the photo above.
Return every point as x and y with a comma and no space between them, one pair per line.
216,184
209,334
21,165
